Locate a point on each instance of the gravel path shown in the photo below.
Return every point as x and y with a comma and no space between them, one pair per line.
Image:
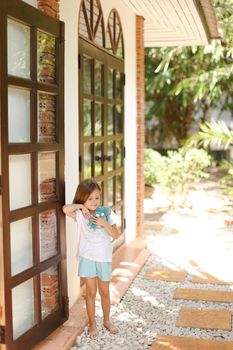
192,239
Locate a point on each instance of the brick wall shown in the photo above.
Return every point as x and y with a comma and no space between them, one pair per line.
140,120
50,7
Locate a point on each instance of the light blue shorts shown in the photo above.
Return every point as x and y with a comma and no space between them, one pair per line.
90,268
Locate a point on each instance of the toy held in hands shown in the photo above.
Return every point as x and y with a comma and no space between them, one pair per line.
102,212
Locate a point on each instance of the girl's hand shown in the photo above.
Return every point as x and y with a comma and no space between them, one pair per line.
85,212
99,221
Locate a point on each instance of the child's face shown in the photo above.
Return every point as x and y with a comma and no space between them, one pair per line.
93,201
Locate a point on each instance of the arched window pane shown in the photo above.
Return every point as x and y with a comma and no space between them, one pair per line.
91,22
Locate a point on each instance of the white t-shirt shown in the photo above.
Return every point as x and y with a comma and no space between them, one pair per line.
94,244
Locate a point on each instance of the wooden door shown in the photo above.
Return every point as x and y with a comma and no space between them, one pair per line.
101,125
32,173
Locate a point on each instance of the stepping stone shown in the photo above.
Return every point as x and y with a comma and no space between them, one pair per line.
185,343
166,275
211,319
203,294
207,278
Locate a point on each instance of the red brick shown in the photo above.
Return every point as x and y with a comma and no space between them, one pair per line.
140,121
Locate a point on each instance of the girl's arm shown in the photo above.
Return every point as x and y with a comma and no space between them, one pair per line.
112,230
70,210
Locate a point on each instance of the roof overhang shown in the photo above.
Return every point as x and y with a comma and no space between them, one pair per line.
176,22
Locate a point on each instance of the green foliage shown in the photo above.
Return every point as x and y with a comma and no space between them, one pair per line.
177,170
152,162
182,80
215,132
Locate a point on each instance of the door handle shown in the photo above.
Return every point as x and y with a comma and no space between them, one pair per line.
109,158
104,157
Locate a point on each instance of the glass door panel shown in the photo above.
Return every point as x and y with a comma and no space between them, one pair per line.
47,175
110,120
119,156
87,118
20,186
98,159
48,234
23,312
88,168
98,119
46,58
110,155
88,76
21,245
119,187
119,212
118,92
119,119
46,118
49,291
99,78
18,115
18,49
110,191
110,82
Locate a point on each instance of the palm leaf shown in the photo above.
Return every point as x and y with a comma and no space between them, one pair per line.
211,132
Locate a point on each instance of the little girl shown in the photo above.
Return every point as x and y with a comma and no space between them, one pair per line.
94,249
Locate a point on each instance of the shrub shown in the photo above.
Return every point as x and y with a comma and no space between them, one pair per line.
152,160
177,170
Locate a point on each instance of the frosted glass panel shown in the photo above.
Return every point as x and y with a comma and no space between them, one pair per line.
20,180
48,234
21,245
47,175
18,49
18,115
23,308
49,291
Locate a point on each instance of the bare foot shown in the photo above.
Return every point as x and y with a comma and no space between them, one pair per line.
92,331
111,328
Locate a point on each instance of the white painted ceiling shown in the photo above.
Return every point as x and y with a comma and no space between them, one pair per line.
176,22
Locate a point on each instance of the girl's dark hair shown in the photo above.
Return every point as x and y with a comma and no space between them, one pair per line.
84,189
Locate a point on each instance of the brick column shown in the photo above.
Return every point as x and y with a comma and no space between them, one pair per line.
140,121
50,7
